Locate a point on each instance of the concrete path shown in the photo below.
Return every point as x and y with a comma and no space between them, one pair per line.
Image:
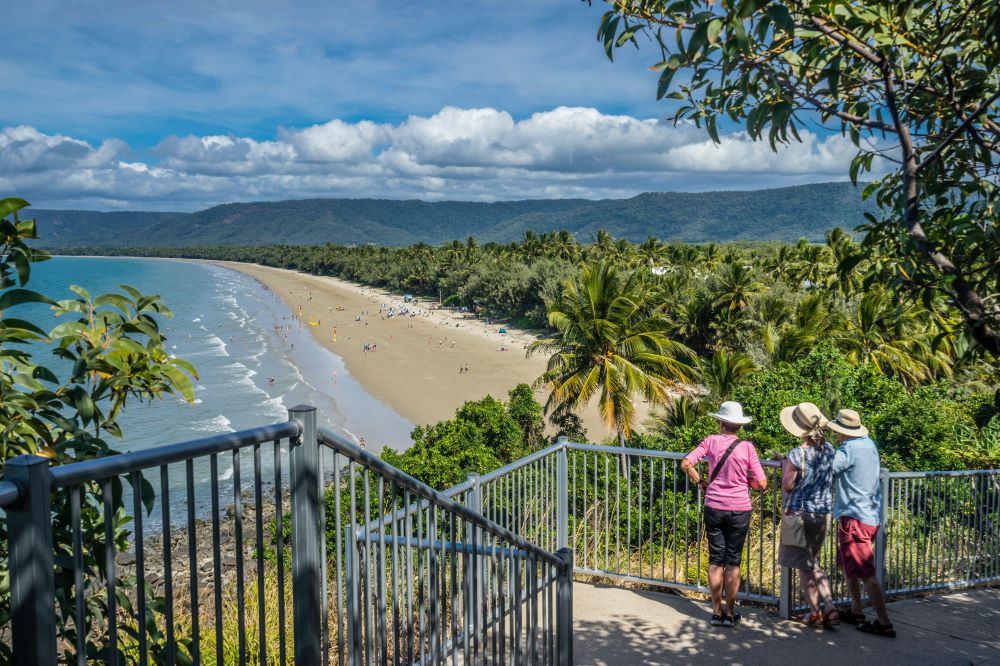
621,627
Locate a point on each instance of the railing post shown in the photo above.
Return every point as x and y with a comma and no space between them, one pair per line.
32,569
562,493
880,537
564,608
474,589
353,582
306,583
785,601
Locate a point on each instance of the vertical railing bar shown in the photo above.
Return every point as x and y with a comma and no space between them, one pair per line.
408,531
381,618
699,512
216,557
453,586
135,479
420,585
341,559
585,506
168,572
618,516
79,618
597,531
628,515
324,605
394,558
366,576
238,536
258,500
649,540
642,466
109,572
674,529
687,532
774,538
279,536
607,512
663,518
192,564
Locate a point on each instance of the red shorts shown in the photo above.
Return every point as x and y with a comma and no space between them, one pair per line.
854,554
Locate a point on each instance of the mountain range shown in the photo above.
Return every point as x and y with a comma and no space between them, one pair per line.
789,213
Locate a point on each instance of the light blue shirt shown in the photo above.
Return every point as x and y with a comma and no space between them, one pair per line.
856,475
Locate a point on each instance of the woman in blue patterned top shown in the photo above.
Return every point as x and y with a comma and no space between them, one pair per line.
807,477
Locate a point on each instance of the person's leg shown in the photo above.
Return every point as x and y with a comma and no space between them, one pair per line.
732,587
716,573
874,590
854,586
808,581
823,593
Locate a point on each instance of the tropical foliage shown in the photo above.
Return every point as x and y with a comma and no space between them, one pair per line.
914,85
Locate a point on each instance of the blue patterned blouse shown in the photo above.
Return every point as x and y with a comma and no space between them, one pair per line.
813,490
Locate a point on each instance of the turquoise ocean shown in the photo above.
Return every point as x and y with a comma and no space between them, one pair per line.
251,367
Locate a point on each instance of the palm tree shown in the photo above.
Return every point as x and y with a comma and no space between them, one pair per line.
722,371
734,286
608,344
893,336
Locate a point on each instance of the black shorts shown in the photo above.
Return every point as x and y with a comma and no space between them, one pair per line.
727,530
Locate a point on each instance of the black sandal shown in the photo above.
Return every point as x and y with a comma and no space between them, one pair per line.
850,617
877,628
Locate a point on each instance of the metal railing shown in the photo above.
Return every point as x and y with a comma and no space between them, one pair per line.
633,515
351,580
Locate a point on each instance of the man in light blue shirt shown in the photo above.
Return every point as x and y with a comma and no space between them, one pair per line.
857,507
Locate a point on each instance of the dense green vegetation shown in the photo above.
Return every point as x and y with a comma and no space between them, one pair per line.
913,84
777,214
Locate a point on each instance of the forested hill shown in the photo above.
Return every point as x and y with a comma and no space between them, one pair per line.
787,213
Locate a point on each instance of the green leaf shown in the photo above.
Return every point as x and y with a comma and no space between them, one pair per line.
12,297
714,28
12,205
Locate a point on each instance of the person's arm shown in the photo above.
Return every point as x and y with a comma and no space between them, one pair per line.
690,462
841,459
789,475
758,478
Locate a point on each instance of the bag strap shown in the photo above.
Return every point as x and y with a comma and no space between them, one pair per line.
722,461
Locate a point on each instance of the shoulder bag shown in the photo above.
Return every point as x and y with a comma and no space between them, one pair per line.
793,529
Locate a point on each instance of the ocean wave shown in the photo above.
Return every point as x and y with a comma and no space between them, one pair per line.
274,407
215,424
227,474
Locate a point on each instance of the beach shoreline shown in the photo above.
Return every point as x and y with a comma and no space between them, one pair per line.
424,363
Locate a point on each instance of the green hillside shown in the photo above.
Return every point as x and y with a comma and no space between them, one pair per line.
778,214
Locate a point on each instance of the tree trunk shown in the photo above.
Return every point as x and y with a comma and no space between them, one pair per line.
970,304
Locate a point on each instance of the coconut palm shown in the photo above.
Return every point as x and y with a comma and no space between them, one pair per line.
893,336
722,371
608,344
734,285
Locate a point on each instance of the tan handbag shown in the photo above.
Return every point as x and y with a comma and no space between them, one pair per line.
793,529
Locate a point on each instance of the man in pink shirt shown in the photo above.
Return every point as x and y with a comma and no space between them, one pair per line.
733,468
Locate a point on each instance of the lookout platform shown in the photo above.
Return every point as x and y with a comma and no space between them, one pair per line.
624,627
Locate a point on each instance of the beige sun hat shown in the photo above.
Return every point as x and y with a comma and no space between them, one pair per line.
848,422
803,419
732,412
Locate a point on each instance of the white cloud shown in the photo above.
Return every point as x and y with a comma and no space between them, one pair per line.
478,154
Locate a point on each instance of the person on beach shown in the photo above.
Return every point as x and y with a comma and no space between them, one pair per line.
856,468
806,477
733,468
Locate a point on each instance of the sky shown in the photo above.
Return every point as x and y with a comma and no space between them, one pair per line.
181,105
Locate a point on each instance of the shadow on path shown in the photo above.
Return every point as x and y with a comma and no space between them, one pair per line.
621,627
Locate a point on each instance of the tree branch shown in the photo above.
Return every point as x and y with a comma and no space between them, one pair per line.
955,132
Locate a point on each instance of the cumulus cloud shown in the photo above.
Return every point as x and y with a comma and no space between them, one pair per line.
479,154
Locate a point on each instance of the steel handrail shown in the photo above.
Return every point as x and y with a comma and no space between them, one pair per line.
341,445
97,469
514,466
10,492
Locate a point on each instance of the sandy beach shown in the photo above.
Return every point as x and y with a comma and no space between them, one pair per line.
414,364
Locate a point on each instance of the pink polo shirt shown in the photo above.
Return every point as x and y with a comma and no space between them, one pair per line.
730,491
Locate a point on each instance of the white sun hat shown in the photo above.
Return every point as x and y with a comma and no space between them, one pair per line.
732,412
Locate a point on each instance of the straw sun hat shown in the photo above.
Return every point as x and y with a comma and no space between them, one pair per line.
732,412
848,422
803,419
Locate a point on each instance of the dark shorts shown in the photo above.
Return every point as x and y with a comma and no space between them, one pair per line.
727,530
854,547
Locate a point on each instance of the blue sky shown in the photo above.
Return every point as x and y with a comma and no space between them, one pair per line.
179,105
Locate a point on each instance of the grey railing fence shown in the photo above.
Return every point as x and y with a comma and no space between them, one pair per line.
632,515
367,580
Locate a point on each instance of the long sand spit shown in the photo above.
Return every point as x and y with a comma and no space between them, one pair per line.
416,367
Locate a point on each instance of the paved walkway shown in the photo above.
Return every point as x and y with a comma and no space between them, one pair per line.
621,627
